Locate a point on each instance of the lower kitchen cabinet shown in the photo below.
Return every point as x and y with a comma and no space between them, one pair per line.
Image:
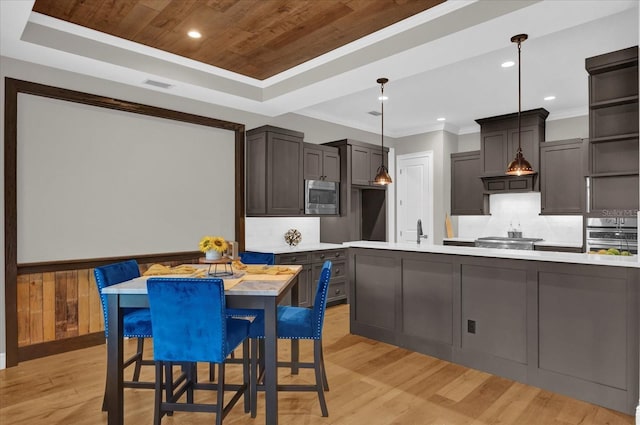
311,262
567,328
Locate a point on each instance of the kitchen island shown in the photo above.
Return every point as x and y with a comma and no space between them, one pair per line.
565,322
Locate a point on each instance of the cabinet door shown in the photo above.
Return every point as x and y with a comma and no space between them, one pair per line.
284,175
562,187
530,143
467,191
256,185
376,159
305,289
331,166
360,166
313,159
493,154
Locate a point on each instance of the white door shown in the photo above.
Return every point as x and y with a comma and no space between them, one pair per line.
415,196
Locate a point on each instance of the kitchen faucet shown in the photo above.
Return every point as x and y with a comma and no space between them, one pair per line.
419,230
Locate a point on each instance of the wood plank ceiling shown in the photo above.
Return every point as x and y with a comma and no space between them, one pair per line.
256,38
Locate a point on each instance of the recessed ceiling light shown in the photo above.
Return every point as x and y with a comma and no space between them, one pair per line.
549,98
440,119
508,64
194,34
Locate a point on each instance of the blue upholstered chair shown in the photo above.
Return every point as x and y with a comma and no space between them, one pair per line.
190,324
297,323
137,322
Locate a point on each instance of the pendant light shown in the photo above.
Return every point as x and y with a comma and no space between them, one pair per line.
382,175
519,166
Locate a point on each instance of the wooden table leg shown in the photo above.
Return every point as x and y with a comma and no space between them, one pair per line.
271,361
115,405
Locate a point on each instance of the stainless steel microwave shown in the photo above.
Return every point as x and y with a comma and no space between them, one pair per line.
321,197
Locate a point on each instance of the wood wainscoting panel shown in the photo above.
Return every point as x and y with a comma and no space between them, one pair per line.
57,305
49,306
62,304
36,334
22,292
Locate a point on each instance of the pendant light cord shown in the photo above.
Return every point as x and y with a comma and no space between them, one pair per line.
519,105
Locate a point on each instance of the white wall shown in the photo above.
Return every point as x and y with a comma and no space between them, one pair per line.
442,144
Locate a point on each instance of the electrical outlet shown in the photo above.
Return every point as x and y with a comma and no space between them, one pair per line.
471,326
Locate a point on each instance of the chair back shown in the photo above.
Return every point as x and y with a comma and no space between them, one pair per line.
249,257
320,303
188,318
110,275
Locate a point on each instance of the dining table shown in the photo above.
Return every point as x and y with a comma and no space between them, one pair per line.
242,290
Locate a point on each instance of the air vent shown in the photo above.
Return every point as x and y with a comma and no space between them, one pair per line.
158,84
374,113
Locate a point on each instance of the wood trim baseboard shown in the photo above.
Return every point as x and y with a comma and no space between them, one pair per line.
45,349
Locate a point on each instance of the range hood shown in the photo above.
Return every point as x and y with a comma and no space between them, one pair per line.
505,184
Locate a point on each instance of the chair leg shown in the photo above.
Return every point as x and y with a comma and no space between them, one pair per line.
190,370
212,372
253,377
324,370
168,368
318,366
245,375
136,370
220,401
104,398
157,414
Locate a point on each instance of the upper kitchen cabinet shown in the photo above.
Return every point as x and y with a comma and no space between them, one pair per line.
365,161
321,163
562,177
274,171
613,132
499,144
467,191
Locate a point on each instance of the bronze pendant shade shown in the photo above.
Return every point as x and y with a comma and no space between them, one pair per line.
382,176
519,166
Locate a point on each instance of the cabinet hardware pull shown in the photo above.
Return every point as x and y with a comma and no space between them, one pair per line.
337,271
321,255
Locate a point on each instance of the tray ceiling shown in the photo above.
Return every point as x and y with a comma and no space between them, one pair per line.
256,38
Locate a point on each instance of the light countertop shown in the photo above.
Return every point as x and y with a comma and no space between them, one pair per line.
280,249
556,257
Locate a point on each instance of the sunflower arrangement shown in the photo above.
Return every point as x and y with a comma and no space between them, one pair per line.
213,243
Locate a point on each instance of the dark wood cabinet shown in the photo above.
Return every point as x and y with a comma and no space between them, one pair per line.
364,164
613,133
362,204
321,163
274,164
312,262
562,177
467,191
499,143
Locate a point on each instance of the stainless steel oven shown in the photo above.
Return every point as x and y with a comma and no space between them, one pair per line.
612,232
321,197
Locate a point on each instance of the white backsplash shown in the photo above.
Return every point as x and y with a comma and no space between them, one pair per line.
269,231
521,209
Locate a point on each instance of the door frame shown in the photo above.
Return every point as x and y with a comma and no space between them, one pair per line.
429,225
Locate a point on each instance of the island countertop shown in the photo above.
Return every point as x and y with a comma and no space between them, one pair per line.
556,257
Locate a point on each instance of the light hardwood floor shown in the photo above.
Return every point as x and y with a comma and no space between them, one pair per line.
371,384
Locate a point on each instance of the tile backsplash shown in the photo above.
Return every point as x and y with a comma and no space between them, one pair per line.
269,231
521,210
